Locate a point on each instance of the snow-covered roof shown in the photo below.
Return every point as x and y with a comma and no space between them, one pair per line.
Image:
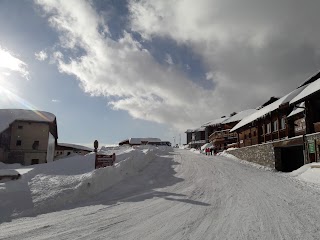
215,122
75,146
7,116
308,90
267,109
200,129
240,115
189,131
311,79
140,140
297,110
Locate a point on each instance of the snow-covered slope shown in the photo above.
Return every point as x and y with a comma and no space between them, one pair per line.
184,195
48,187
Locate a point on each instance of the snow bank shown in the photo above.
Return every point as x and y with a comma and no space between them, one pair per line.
48,187
308,173
9,166
207,145
195,150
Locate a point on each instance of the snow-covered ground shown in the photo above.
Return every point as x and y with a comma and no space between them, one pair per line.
47,187
309,173
182,195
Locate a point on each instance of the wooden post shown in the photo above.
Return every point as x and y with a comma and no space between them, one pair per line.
278,127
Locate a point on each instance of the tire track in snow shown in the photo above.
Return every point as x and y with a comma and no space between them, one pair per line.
192,197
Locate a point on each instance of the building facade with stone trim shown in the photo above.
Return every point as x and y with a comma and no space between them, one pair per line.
290,126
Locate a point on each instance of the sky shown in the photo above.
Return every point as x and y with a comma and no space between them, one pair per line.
115,69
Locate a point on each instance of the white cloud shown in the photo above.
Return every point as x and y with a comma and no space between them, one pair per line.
124,70
168,59
253,49
9,63
55,100
209,76
41,56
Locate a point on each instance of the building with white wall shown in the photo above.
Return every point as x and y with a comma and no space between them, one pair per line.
27,136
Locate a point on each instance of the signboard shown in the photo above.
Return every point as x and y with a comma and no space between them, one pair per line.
311,146
103,160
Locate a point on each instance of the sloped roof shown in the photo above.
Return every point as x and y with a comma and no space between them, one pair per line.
200,129
308,90
214,122
189,131
297,110
311,79
268,109
140,140
7,116
75,146
240,115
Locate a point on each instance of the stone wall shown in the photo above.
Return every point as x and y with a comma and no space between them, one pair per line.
262,154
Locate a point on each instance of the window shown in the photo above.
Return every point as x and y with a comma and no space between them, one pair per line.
249,135
262,129
245,136
283,123
20,127
18,143
35,145
275,125
254,133
34,161
268,128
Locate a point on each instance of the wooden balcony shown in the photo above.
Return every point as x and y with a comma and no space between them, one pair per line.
222,135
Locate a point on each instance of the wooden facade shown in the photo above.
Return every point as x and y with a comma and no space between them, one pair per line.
221,137
271,127
276,125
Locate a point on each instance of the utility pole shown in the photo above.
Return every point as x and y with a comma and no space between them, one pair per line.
180,139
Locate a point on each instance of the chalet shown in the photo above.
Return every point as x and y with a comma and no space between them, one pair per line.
212,126
222,138
27,136
287,128
65,149
196,137
267,124
138,141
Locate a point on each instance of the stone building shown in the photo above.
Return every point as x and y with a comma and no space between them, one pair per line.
27,136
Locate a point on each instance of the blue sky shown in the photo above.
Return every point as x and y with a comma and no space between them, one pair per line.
110,70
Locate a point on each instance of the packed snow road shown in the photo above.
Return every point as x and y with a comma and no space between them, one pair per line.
186,196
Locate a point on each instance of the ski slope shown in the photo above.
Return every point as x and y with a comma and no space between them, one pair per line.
183,195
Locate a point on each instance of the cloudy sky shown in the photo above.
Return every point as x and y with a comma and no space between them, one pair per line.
113,69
